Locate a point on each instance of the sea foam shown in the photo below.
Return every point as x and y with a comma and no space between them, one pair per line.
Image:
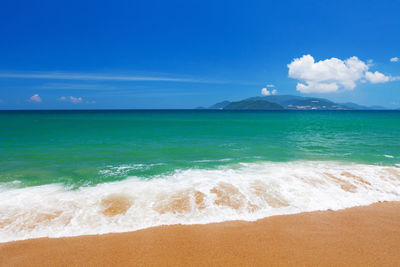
246,191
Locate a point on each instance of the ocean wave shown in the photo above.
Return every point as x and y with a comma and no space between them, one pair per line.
125,169
245,191
212,160
7,185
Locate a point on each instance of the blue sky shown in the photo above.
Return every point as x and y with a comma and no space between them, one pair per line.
184,54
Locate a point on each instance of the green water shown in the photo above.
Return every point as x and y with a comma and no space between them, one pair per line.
78,148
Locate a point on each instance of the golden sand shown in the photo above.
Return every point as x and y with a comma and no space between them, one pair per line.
116,204
360,236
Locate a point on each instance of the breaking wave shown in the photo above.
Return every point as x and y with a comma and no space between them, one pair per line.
245,191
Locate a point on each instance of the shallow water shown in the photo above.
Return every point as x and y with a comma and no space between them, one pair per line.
86,172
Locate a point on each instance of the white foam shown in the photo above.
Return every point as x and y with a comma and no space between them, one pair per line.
246,191
123,170
212,160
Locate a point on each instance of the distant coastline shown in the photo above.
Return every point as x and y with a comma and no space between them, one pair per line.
288,102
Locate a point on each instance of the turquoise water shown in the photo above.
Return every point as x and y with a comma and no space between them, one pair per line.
68,173
78,148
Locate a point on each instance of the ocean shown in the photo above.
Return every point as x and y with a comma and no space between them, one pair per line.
68,173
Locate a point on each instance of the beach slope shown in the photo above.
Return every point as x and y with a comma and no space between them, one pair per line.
367,235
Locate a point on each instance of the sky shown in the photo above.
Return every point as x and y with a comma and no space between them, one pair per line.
185,54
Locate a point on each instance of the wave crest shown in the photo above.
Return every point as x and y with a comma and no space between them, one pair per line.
246,191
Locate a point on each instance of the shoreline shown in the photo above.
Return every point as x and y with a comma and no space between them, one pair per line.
364,235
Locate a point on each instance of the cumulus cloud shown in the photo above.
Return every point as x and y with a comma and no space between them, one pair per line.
75,100
35,98
376,77
72,99
332,74
265,91
394,59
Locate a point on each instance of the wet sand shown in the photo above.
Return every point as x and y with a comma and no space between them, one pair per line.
357,236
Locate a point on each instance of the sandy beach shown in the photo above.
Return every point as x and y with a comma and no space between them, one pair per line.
367,235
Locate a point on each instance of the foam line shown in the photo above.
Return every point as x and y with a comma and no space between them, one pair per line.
246,191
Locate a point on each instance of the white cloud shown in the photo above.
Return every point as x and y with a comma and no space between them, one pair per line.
72,99
332,74
394,59
376,77
35,98
270,85
265,91
316,87
75,100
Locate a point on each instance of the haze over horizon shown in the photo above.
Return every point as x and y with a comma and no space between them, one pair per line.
97,55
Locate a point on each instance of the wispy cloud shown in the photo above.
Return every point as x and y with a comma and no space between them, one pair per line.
152,94
72,99
72,86
92,77
35,98
75,100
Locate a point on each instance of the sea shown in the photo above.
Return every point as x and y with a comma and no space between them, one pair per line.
69,173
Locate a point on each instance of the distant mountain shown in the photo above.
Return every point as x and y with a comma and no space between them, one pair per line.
317,103
359,107
354,106
283,100
377,107
301,102
220,105
290,102
249,104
